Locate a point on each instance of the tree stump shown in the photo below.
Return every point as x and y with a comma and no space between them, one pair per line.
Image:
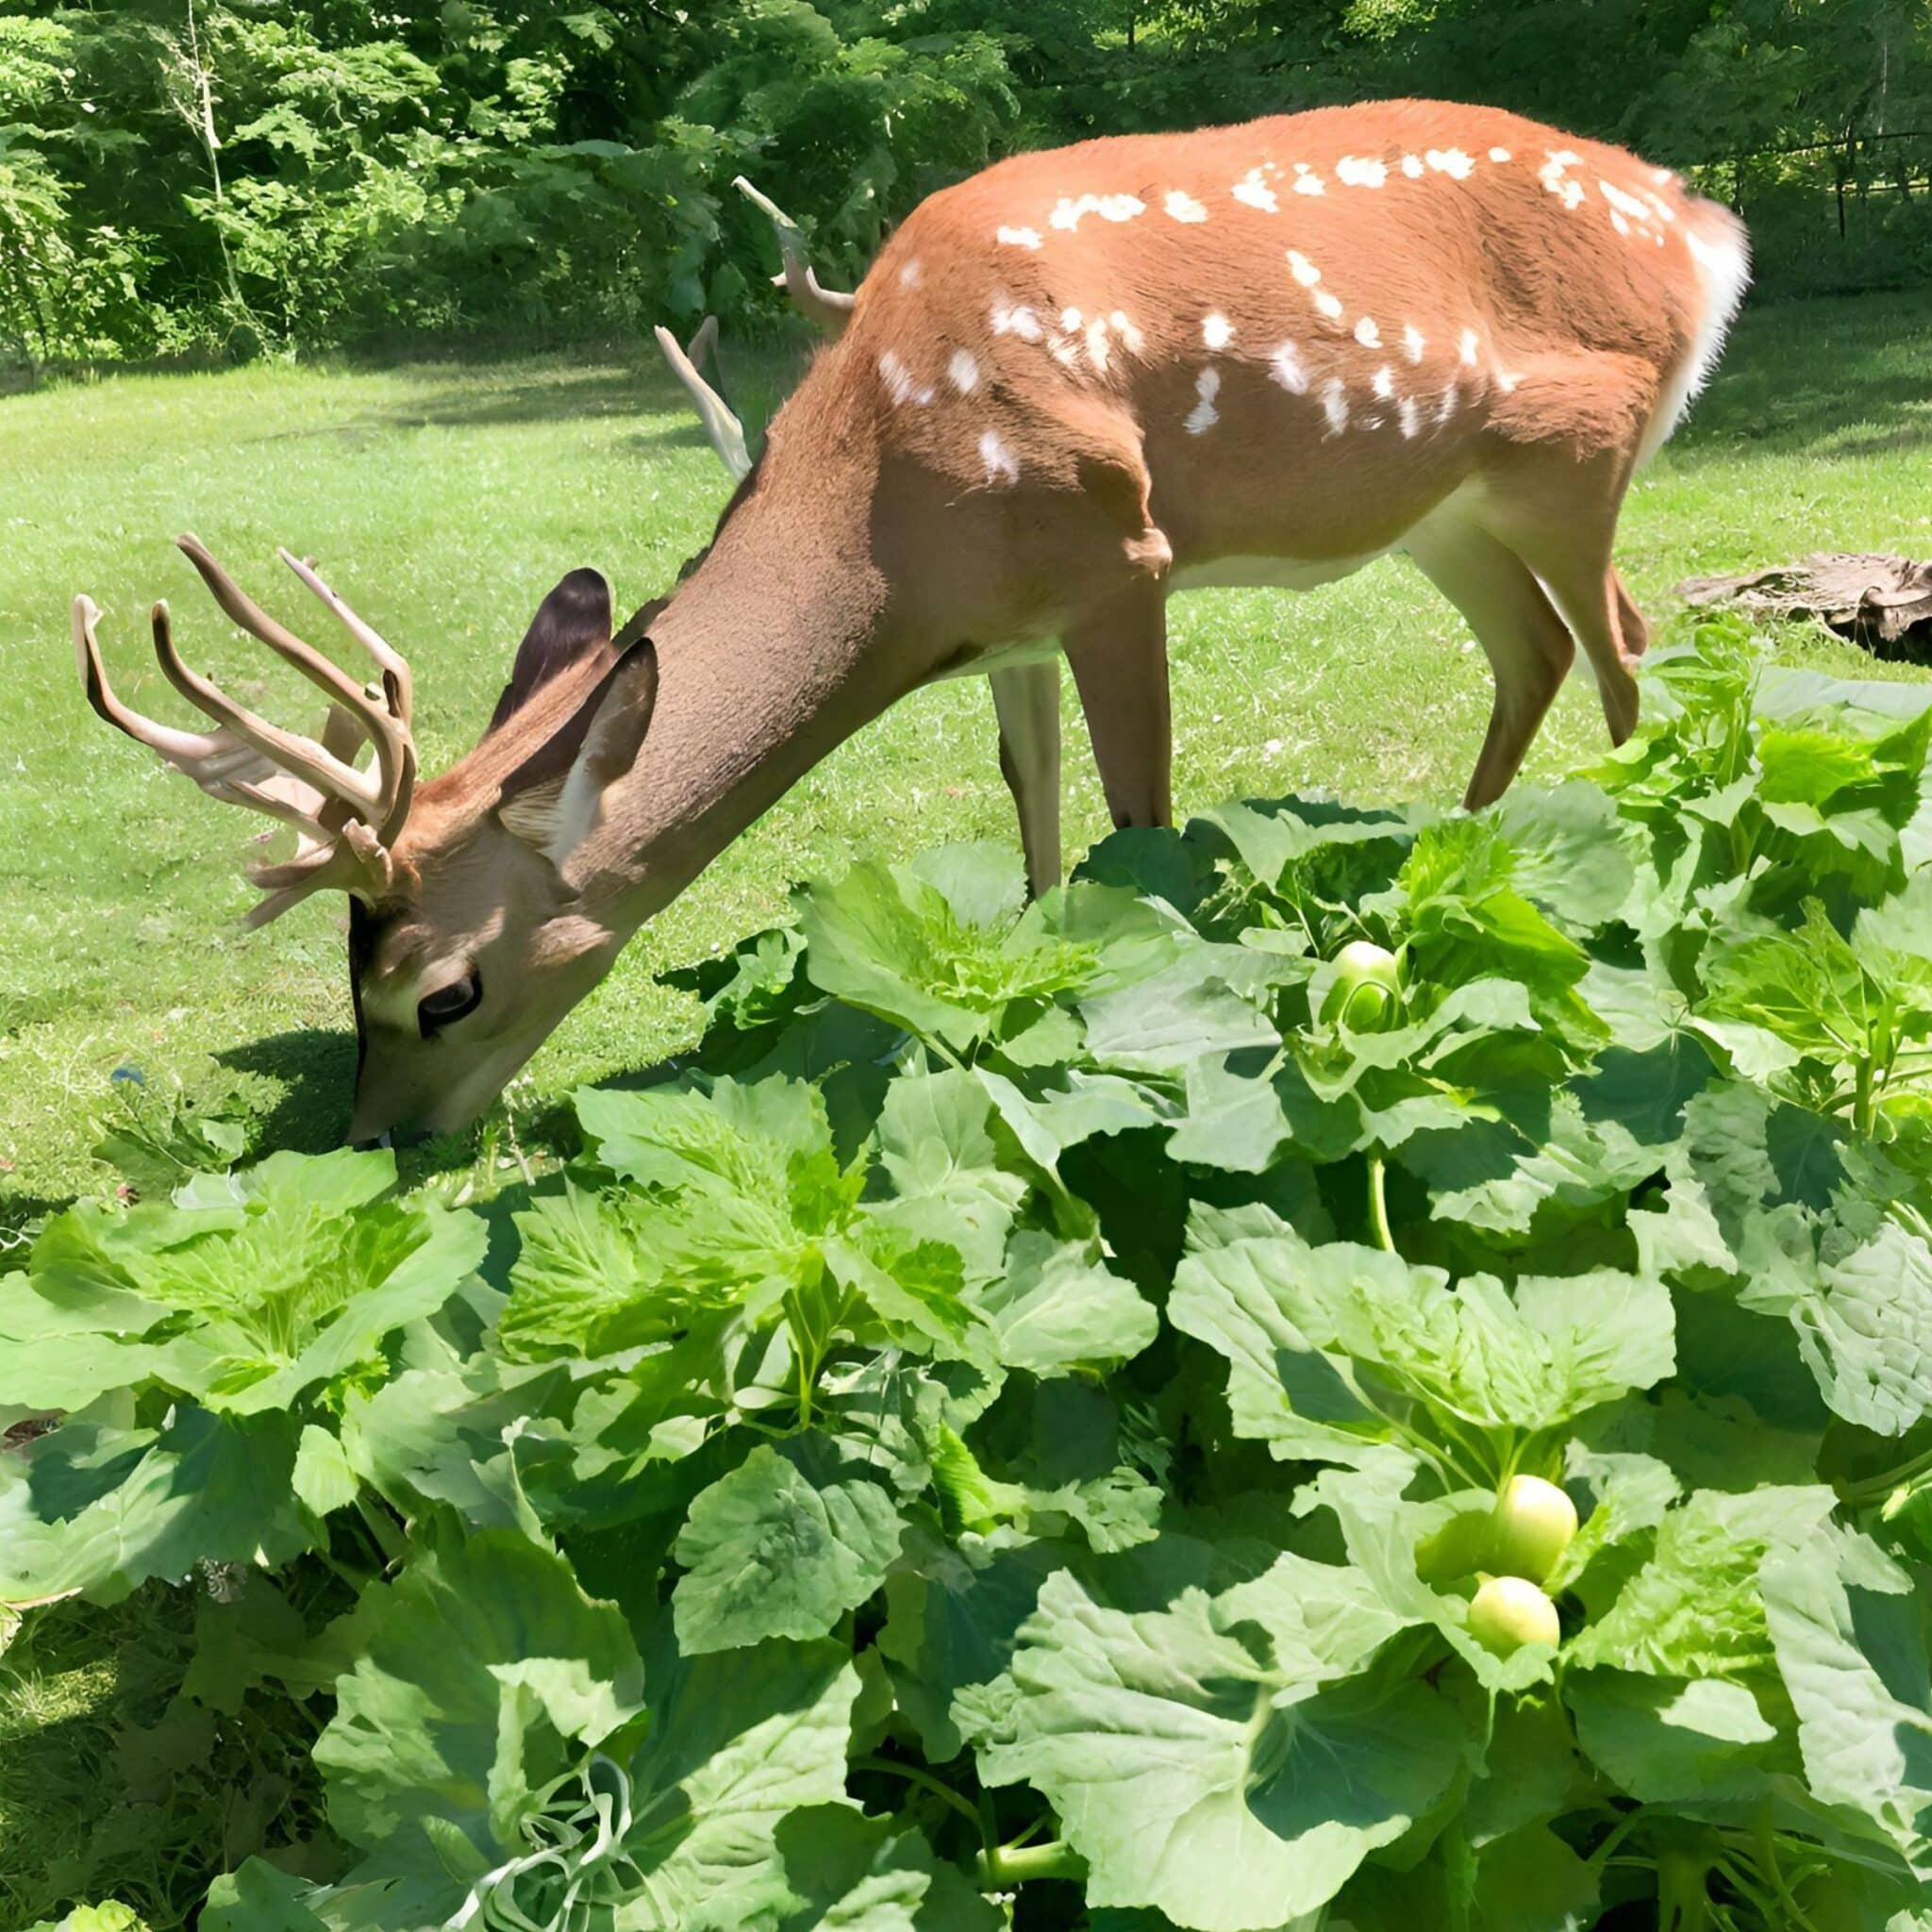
1882,604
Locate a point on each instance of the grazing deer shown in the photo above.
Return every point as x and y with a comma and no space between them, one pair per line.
1070,385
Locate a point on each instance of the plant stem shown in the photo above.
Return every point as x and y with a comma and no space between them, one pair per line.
926,1782
1005,1865
1378,1203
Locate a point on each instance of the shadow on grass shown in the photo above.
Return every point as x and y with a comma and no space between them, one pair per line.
1836,376
316,1073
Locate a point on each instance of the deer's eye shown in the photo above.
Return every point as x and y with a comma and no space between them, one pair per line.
449,1002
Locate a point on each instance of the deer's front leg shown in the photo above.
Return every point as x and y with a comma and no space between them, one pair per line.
1119,654
1027,698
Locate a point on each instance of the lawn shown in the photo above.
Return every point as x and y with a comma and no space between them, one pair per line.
445,496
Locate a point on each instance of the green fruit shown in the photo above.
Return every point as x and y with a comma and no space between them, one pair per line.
1365,995
1510,1612
1533,1524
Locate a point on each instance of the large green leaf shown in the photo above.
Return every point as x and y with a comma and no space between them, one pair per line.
484,1675
1848,1626
783,1546
1218,1761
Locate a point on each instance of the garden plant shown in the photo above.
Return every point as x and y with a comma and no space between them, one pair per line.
1354,1366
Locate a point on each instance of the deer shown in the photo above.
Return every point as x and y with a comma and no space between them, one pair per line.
1069,386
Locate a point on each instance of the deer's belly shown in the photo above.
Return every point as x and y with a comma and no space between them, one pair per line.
1267,572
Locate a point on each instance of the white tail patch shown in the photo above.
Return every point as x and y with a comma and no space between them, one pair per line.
1303,270
1070,210
1451,161
1383,383
1367,334
1204,415
1335,406
1255,193
1217,331
1353,171
1183,206
1413,342
1002,465
1284,366
1016,319
1329,305
1017,238
963,370
1721,254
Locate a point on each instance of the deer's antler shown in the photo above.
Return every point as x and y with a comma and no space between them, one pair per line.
346,816
831,308
725,431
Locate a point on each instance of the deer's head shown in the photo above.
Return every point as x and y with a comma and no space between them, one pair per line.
470,934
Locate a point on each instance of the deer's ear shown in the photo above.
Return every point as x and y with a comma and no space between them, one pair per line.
555,798
572,621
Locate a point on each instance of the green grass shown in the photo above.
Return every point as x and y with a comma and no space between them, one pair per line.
445,497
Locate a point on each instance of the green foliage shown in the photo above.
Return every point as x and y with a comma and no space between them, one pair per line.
1057,1446
221,174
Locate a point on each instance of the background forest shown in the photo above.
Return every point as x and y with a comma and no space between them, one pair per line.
234,178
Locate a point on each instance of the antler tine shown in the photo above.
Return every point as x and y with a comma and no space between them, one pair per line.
831,308
378,724
720,425
224,766
388,661
301,758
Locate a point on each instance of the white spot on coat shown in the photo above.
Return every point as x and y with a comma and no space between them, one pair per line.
908,275
1466,347
1367,334
1353,171
1409,417
1618,223
1002,465
1284,366
899,383
963,370
1070,210
1305,183
1413,342
1304,271
1253,189
1329,305
1018,238
1203,416
1069,320
1096,343
1383,383
1452,401
1625,203
1412,166
1015,319
1131,339
1183,206
1451,161
1499,155
1217,331
1507,379
1335,406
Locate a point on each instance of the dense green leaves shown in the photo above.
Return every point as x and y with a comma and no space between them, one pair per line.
1036,1406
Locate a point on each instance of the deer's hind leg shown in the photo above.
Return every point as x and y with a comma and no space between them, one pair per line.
1527,646
1027,698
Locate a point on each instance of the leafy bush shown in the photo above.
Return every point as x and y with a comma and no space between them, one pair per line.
1022,1432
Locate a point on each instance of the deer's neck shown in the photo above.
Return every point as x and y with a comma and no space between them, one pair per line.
768,658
